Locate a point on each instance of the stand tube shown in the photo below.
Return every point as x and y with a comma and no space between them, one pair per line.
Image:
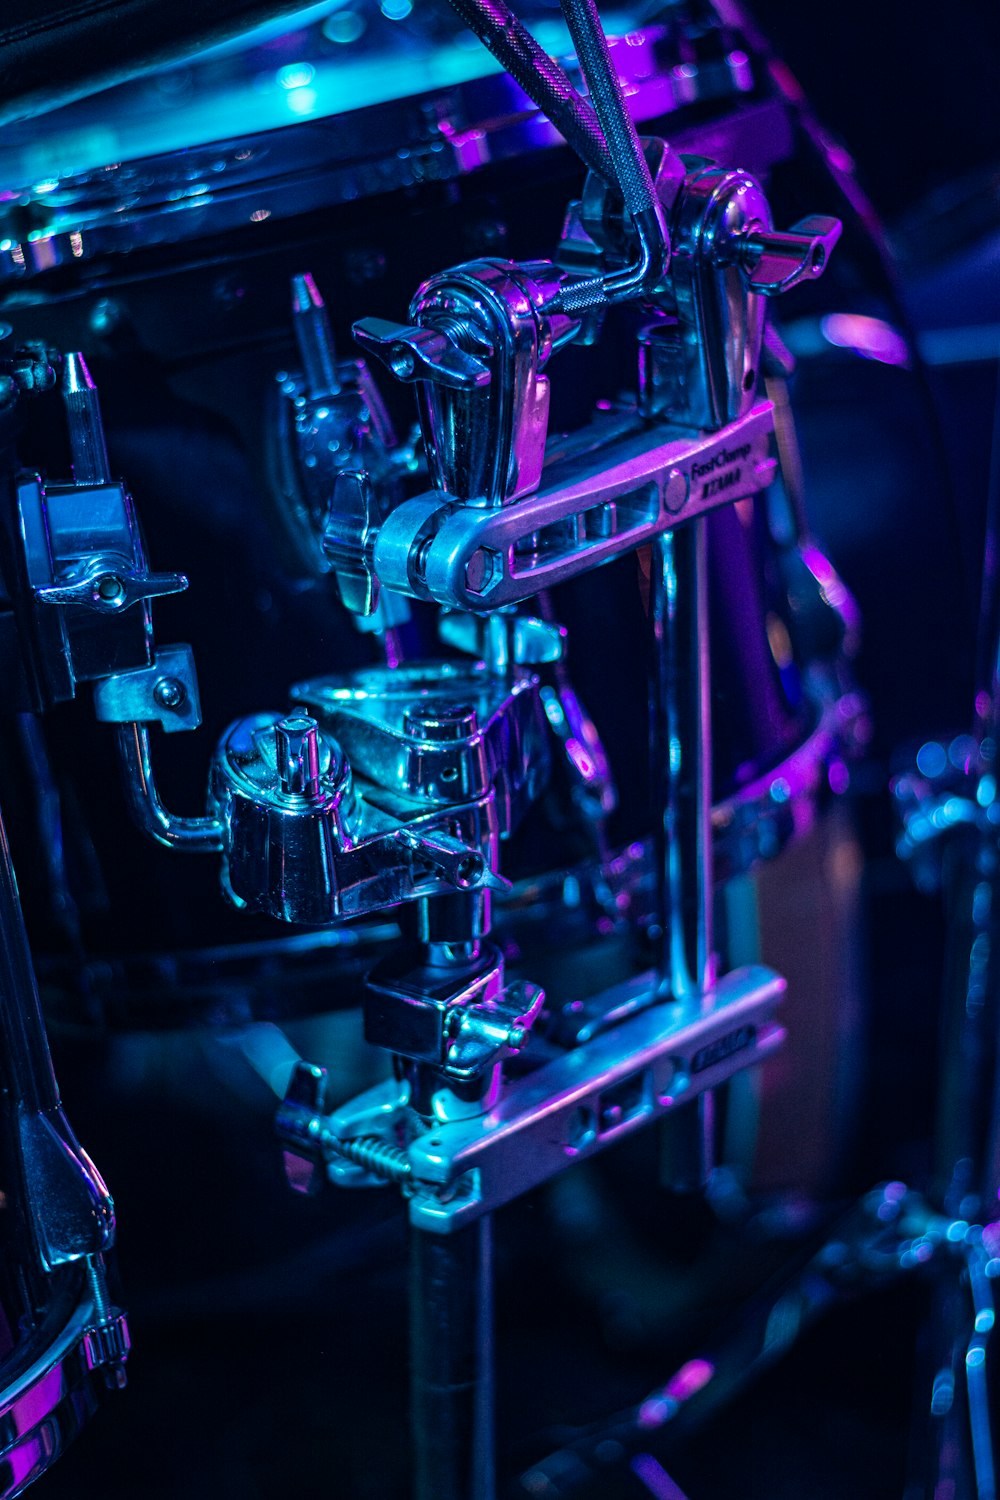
680,760
451,1334
680,744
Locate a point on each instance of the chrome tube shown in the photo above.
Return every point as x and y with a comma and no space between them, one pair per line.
628,160
198,835
680,761
680,775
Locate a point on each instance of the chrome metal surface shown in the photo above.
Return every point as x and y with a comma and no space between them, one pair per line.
453,1015
437,735
379,787
435,782
83,416
331,422
68,1338
680,760
586,512
199,835
658,1059
164,693
82,565
46,1403
541,77
480,340
631,171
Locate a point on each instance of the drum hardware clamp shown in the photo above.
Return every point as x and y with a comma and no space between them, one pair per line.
499,525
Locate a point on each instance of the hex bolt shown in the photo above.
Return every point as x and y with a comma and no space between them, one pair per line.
170,692
296,742
479,571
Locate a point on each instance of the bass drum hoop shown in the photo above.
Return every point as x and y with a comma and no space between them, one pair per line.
48,1388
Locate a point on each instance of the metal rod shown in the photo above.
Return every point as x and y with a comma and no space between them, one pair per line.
680,760
314,337
451,1328
680,775
198,835
631,171
542,79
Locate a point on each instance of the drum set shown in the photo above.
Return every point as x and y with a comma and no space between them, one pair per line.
556,680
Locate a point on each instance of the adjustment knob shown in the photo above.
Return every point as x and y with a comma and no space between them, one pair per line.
776,262
414,353
352,522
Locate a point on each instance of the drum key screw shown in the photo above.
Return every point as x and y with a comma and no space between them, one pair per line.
108,1337
170,692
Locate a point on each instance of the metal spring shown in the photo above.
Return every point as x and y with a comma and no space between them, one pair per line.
376,1156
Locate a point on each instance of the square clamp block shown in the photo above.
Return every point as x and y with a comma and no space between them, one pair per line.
408,1003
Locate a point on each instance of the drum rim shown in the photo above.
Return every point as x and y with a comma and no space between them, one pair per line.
234,182
34,1401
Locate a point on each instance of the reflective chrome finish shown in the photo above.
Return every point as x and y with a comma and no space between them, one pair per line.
660,1058
680,760
195,835
165,693
83,565
587,511
70,1339
331,420
125,161
438,735
482,337
631,171
456,1017
47,1403
445,759
83,417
